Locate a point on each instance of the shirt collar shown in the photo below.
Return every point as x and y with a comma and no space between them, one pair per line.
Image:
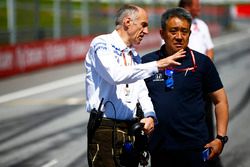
121,45
162,52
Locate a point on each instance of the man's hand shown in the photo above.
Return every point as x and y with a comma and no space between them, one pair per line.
216,148
148,125
170,61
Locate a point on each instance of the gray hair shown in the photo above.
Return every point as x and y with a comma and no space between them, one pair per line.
124,11
175,12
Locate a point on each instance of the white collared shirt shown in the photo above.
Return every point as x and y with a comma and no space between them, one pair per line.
200,39
107,76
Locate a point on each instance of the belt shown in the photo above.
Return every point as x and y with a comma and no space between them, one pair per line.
118,123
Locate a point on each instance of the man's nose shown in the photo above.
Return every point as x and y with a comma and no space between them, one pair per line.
178,35
145,30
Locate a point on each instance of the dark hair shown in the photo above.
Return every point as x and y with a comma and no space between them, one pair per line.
185,3
175,12
126,10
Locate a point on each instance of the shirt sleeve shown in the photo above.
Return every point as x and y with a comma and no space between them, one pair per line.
105,64
145,100
207,37
212,78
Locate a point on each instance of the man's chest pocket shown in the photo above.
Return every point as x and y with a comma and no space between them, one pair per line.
188,81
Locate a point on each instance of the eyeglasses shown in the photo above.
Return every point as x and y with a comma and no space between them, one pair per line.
169,81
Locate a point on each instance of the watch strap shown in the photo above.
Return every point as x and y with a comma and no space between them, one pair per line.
223,139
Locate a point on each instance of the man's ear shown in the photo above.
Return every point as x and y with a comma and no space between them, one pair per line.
127,21
161,33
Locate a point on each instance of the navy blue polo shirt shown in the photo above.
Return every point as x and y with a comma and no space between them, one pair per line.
181,110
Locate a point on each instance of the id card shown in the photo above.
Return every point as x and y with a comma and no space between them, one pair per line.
205,154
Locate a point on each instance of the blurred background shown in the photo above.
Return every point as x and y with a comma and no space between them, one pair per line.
43,33
29,20
42,93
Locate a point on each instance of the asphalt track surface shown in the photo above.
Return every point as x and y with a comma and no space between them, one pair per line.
43,119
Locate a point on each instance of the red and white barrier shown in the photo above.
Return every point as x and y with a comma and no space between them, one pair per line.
25,57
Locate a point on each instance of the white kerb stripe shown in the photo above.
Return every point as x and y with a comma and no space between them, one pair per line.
42,88
51,163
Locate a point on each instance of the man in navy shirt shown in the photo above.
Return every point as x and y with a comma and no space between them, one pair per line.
177,93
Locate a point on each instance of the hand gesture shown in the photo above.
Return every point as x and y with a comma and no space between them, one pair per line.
170,61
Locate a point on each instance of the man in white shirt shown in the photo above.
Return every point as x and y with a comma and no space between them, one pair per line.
200,38
115,85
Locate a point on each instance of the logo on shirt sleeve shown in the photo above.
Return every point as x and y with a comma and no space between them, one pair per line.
100,46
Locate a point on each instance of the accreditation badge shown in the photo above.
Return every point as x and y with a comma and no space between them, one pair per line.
127,93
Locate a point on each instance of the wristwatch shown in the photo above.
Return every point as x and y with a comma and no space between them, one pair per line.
223,139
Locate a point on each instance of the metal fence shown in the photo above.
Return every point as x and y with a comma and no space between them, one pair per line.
29,20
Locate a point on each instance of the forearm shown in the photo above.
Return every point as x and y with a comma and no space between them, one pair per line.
222,117
220,101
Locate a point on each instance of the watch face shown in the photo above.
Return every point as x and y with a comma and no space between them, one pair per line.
223,139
